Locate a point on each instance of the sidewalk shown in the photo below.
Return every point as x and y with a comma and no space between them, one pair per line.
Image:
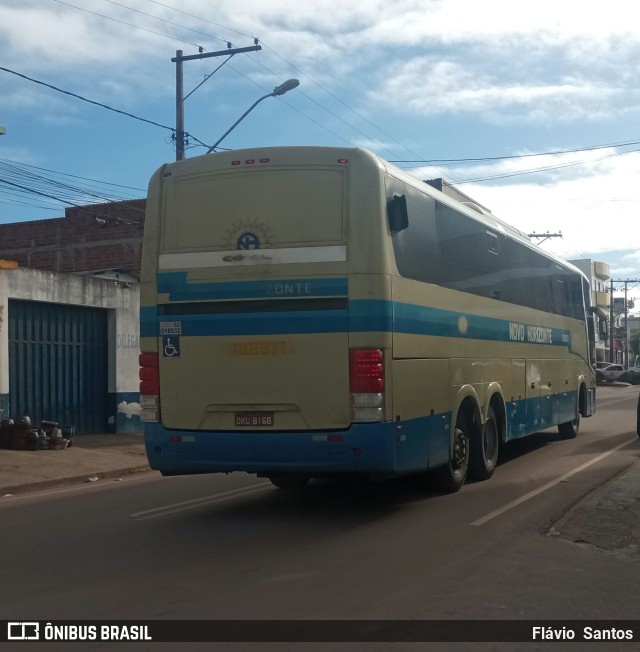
91,456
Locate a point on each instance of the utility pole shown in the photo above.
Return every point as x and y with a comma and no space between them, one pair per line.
180,137
625,351
611,316
179,59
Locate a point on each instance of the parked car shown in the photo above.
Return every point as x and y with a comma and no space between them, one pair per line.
632,375
612,372
599,366
638,421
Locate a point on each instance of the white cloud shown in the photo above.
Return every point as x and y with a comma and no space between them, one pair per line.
414,67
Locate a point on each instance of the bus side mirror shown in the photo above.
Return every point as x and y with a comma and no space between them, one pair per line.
397,213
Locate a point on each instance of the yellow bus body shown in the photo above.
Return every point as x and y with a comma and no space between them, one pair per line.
268,272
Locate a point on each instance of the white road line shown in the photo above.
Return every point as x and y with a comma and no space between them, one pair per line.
197,502
498,512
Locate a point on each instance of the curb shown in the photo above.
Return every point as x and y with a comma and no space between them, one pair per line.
72,480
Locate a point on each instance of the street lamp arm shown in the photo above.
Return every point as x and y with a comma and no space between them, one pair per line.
283,88
238,121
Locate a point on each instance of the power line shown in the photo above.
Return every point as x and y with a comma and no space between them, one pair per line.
507,175
18,182
98,214
162,20
321,106
122,22
100,104
73,176
85,99
332,95
205,20
480,159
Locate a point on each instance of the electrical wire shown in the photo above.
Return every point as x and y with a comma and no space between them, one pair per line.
163,20
85,99
18,181
122,22
310,99
321,106
91,211
546,168
398,161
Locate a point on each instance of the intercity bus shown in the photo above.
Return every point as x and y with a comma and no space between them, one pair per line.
308,312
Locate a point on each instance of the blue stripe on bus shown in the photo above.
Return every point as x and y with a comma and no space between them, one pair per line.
363,316
390,448
288,323
422,320
175,284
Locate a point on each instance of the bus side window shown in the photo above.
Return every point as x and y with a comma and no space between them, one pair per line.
397,213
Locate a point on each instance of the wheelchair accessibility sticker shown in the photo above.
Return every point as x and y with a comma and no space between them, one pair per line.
170,346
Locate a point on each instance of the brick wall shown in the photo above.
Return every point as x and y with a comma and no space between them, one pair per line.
87,239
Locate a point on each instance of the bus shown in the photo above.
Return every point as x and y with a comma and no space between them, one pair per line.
309,312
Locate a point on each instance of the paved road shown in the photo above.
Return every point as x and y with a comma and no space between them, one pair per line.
521,546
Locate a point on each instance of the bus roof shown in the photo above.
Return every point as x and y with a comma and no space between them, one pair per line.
311,154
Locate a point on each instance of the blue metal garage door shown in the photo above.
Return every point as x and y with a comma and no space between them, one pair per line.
58,364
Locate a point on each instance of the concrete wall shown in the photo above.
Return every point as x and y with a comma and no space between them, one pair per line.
122,301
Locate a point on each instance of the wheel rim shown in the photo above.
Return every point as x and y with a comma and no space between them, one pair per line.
460,452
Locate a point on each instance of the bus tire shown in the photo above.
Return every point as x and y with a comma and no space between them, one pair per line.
289,481
452,476
485,446
569,429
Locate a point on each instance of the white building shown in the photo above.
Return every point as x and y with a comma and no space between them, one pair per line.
599,274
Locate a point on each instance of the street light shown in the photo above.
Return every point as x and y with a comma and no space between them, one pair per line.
285,87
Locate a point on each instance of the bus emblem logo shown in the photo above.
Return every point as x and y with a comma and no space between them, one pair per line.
248,240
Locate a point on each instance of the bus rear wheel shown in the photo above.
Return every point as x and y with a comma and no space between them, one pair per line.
289,481
484,449
452,476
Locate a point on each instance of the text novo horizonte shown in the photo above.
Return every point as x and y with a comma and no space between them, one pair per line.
526,333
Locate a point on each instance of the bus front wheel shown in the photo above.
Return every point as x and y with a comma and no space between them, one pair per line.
452,476
569,429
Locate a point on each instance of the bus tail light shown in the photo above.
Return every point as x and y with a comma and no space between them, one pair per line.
366,381
149,387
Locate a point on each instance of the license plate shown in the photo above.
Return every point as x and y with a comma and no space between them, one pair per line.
254,419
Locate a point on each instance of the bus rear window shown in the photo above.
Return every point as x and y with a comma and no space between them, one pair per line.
259,208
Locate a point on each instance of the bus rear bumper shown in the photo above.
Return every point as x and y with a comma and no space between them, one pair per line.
375,448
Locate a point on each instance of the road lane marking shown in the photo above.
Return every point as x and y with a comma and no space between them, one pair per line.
197,502
505,508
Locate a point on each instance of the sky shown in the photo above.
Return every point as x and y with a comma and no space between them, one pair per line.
531,108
